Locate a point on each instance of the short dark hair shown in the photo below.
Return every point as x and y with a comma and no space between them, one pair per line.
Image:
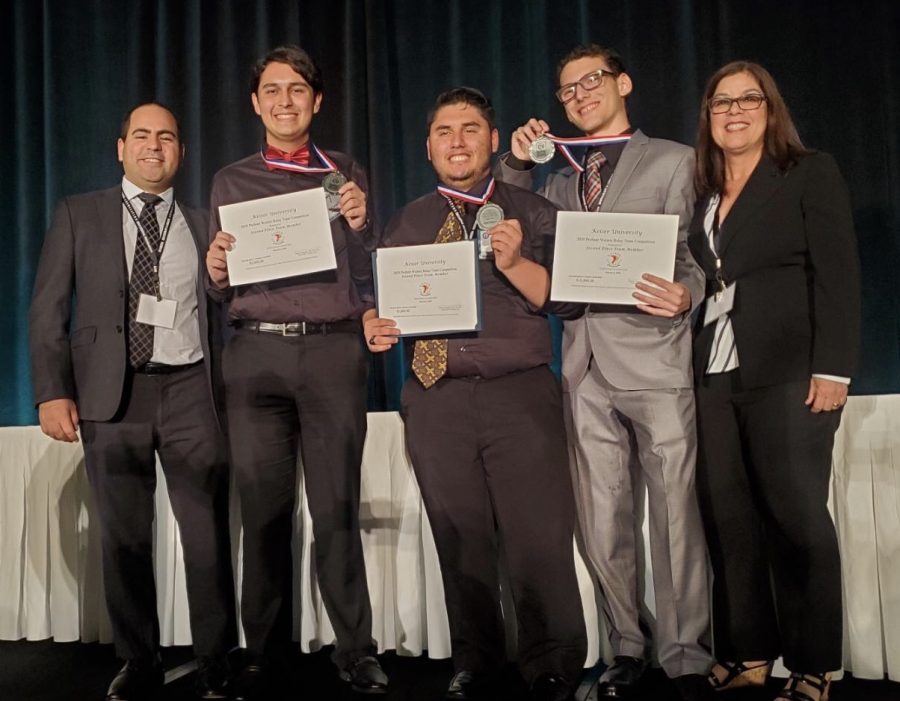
610,55
468,96
126,120
782,143
296,58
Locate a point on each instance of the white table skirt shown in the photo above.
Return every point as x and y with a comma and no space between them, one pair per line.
50,584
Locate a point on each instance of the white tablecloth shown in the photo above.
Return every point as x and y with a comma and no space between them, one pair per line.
50,583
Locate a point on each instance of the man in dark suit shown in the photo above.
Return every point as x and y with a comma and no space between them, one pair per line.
131,364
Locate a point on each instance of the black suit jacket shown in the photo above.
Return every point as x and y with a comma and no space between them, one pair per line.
789,244
79,347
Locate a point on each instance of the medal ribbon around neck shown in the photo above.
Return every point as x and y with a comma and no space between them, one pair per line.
330,166
584,141
451,193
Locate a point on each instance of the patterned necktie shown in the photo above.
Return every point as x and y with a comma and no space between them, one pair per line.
140,336
429,362
593,185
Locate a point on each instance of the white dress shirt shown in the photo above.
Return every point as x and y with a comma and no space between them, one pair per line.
178,270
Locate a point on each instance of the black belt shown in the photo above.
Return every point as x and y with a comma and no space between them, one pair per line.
163,369
300,328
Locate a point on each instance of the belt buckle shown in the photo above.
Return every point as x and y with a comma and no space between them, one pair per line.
286,325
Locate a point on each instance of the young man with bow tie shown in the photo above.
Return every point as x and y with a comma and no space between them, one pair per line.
295,375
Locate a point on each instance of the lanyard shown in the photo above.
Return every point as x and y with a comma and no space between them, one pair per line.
470,234
468,197
450,194
155,254
565,142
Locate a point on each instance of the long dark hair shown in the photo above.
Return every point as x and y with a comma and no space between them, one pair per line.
782,143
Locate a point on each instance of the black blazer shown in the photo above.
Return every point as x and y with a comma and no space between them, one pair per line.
83,355
789,244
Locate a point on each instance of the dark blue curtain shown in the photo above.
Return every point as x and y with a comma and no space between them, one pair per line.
73,68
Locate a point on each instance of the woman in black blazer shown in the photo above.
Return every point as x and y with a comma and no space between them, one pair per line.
775,348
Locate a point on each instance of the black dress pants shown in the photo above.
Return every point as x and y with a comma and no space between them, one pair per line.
286,394
491,460
171,415
764,466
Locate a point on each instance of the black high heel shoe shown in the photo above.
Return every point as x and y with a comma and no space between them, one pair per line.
738,675
818,684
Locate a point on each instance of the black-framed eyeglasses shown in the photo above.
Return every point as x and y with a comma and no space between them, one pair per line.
589,81
721,105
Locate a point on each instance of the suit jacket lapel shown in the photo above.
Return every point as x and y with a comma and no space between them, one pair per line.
109,215
763,183
571,195
195,225
631,155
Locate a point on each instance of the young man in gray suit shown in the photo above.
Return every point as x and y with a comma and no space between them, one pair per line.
627,376
130,363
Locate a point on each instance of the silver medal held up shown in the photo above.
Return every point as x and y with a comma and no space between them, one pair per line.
541,150
486,218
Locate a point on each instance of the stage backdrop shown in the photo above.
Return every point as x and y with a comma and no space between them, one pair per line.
72,68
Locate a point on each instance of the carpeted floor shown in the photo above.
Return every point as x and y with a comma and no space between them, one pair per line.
48,671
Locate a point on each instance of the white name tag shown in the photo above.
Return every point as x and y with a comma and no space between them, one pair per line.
717,308
156,312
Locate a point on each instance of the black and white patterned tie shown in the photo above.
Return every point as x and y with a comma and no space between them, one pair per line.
143,281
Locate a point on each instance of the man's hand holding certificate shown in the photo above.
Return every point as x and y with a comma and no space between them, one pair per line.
277,237
609,258
429,289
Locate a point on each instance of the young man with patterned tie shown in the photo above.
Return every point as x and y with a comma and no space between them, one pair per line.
627,377
483,418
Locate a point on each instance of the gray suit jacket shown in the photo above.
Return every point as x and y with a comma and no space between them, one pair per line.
79,347
634,350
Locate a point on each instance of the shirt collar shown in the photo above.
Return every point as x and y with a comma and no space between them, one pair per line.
132,191
612,152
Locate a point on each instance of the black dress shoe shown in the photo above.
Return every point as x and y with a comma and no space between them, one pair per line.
693,687
551,687
136,681
250,684
366,676
464,685
619,681
213,676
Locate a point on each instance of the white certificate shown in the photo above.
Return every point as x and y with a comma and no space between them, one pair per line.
430,289
278,237
599,256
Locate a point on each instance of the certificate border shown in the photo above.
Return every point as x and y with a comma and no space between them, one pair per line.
438,334
631,302
281,276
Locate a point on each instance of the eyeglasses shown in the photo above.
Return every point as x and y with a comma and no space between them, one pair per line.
721,105
589,81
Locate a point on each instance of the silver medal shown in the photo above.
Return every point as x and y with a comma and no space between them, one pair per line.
334,182
541,150
488,216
